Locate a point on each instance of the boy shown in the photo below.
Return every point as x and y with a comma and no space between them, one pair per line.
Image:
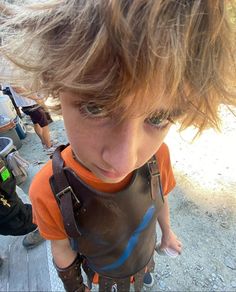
124,71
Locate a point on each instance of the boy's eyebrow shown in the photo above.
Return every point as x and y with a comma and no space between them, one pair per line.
175,113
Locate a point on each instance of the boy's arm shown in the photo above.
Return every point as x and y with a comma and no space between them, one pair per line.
67,263
169,239
62,253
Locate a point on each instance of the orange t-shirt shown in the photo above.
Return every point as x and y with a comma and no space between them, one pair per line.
46,213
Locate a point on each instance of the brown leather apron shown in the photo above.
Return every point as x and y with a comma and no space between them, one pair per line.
115,232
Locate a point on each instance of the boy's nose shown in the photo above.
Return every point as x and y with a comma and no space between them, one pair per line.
122,149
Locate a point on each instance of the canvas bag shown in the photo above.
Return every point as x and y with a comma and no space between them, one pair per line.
18,166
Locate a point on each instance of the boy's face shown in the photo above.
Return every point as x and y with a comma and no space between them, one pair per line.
109,149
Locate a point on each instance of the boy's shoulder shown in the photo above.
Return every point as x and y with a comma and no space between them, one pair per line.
40,184
41,179
164,163
163,154
164,149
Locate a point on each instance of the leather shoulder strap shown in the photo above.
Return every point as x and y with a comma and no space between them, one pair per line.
155,179
64,193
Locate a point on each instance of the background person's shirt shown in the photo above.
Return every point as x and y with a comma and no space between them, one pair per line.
20,100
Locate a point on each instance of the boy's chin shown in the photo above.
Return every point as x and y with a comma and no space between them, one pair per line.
107,179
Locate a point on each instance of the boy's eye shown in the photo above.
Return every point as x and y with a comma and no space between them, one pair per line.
93,110
158,122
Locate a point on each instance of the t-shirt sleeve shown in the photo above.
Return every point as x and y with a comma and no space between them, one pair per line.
166,172
46,213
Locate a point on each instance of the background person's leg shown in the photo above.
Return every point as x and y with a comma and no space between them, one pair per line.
39,132
46,136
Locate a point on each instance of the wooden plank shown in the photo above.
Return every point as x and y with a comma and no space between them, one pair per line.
18,267
39,279
5,243
4,269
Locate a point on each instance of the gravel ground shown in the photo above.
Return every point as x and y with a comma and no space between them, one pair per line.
203,209
203,206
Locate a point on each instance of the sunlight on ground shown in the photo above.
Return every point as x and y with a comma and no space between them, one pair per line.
210,160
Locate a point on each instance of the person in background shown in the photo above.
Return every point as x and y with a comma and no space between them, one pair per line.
6,91
31,106
15,216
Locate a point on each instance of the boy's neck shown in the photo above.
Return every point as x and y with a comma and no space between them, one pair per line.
78,160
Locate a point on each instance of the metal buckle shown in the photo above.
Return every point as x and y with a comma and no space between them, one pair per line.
153,169
66,190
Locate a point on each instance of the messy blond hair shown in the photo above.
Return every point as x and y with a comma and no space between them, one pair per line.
105,50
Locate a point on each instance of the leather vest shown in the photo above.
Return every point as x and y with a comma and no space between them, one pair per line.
115,232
